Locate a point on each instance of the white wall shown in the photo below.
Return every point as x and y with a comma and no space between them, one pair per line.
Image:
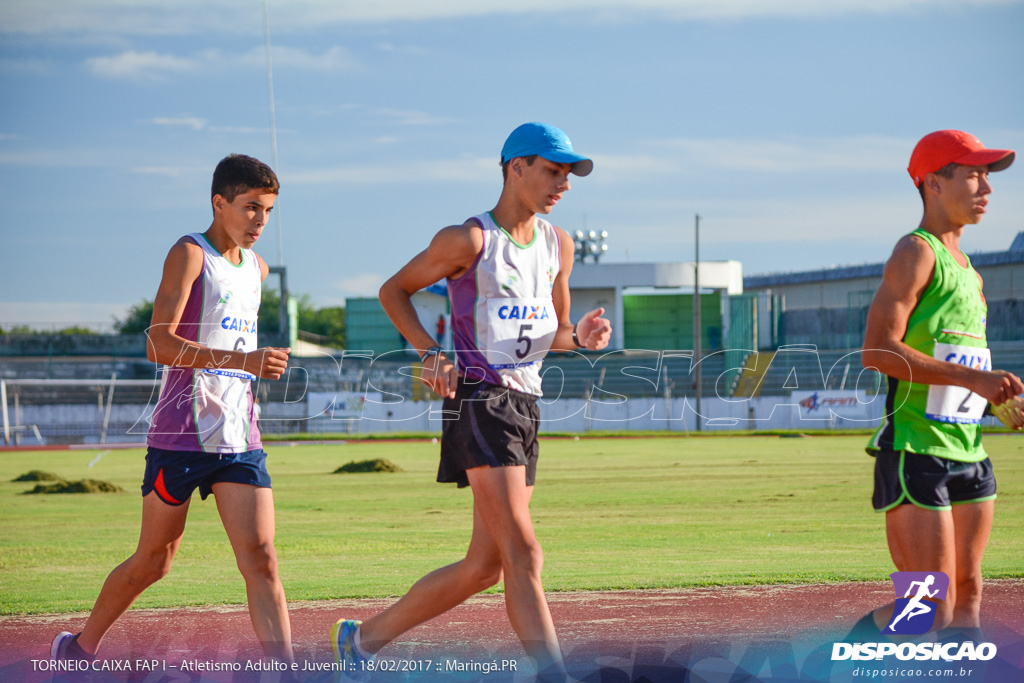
562,415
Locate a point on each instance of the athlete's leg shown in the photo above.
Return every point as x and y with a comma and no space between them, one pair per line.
248,516
438,591
162,529
922,540
972,523
504,501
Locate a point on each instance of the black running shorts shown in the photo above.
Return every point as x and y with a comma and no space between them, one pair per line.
488,425
930,482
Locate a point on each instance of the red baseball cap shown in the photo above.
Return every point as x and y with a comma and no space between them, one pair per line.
943,147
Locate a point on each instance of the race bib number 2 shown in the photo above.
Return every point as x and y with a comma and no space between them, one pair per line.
958,404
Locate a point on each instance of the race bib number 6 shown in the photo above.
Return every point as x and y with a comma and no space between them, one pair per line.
520,331
957,404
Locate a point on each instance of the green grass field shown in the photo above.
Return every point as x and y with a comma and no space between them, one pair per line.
610,513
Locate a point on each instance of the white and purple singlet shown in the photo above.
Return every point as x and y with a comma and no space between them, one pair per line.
503,316
211,409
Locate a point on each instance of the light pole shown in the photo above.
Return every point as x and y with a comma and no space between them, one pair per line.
273,133
697,352
590,244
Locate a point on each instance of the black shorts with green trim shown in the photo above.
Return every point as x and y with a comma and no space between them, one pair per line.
930,482
487,425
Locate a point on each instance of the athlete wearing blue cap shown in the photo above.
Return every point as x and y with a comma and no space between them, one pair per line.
540,139
508,280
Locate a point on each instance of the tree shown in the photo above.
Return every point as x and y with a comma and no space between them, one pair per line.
75,329
138,320
327,322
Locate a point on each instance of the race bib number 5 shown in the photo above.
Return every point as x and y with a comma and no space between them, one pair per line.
952,403
520,331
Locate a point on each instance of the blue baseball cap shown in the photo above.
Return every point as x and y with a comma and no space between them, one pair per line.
546,141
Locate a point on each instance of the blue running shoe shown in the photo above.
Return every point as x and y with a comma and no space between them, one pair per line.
352,663
59,647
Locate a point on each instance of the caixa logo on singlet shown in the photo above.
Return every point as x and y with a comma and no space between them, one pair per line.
525,312
238,324
977,362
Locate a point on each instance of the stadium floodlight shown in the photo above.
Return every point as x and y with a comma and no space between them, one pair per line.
591,243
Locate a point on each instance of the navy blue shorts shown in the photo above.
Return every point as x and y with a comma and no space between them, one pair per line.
930,482
174,475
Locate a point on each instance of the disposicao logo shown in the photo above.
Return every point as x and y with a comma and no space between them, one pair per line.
913,615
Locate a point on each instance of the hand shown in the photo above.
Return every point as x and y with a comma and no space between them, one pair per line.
594,331
439,374
997,386
269,362
1011,413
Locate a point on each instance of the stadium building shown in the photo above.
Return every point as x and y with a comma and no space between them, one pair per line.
778,351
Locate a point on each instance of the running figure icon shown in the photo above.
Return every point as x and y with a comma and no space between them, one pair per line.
915,606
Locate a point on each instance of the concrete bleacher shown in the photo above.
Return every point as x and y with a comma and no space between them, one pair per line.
75,413
803,367
1008,356
629,373
634,374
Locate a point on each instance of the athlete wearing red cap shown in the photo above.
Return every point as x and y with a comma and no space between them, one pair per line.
926,332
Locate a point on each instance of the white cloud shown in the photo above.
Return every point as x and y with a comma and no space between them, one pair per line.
365,284
474,170
246,130
333,59
156,67
405,49
172,171
42,314
412,117
871,222
616,168
140,66
153,17
200,124
59,158
859,153
34,67
193,122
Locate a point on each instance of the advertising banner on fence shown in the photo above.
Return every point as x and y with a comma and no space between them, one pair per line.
831,405
338,405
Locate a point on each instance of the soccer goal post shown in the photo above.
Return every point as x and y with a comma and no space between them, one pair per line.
57,392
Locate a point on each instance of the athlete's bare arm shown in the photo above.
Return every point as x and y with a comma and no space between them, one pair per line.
450,255
184,264
592,330
907,274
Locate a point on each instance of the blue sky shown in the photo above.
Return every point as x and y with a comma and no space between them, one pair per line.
787,124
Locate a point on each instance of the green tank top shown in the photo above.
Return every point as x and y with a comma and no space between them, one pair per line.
949,324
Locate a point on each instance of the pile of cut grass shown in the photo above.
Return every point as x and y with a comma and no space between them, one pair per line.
80,486
374,465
